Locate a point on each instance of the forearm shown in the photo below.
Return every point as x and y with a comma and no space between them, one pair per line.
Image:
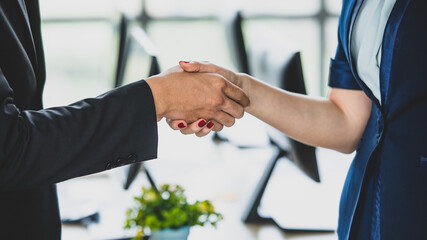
317,122
92,135
337,122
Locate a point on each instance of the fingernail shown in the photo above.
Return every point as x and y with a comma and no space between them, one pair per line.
210,125
181,125
202,123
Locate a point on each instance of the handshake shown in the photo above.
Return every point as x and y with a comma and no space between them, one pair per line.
198,97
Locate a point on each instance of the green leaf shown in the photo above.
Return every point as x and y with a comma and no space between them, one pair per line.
169,208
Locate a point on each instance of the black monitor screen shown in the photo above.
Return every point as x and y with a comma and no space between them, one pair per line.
282,68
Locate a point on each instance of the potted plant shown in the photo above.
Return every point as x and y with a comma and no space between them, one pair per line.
167,214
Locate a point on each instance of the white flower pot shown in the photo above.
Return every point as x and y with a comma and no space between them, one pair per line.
171,234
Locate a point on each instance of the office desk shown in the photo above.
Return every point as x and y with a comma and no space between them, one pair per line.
220,172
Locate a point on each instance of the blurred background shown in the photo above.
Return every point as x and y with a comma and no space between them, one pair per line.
81,40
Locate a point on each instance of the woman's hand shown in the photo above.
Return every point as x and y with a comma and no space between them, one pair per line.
198,127
207,67
191,96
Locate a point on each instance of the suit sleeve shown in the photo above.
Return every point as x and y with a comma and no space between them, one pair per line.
340,74
51,145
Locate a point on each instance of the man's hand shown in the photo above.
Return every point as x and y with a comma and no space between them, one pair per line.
193,96
206,67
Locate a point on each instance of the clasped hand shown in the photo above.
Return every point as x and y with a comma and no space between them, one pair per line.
195,101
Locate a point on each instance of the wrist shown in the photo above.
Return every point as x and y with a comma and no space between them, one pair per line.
244,80
155,84
246,83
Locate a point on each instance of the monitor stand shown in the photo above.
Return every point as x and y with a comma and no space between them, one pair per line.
274,214
250,214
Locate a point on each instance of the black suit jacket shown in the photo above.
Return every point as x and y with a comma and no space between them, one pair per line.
40,147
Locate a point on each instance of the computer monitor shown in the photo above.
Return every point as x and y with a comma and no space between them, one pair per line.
233,22
290,78
274,63
282,68
279,67
137,58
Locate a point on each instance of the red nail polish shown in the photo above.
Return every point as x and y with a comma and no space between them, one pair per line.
202,123
210,125
186,61
181,125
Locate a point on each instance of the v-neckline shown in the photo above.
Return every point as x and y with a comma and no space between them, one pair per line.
355,12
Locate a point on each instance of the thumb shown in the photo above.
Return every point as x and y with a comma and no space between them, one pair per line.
206,67
190,66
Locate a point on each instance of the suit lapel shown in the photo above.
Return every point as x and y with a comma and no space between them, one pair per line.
390,36
30,47
345,24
